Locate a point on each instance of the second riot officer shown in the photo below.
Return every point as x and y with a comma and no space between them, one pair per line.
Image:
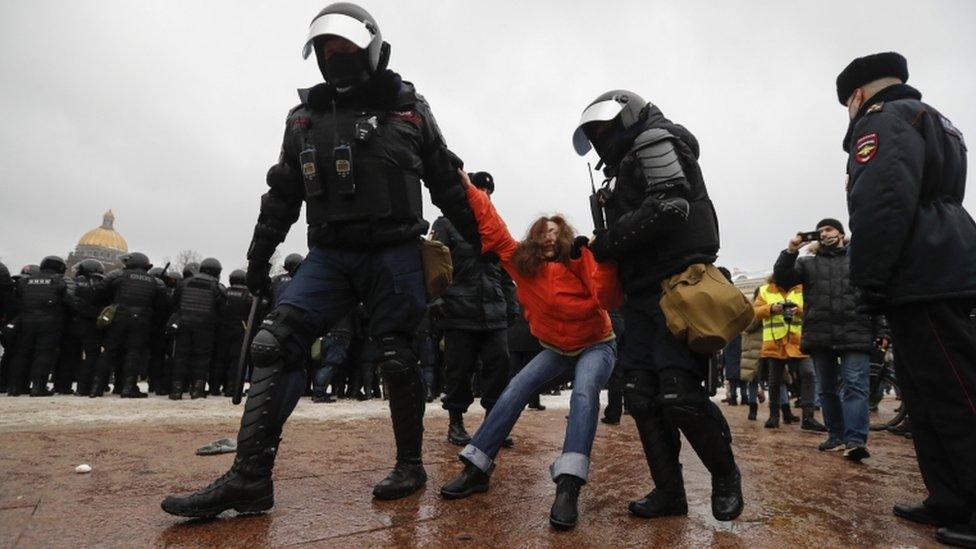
198,301
230,333
659,222
82,339
42,304
355,151
135,294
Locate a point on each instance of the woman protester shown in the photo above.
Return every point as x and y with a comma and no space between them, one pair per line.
565,294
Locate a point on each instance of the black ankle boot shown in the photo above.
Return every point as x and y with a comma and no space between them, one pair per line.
456,434
97,388
659,504
788,417
753,409
131,390
564,513
405,479
246,488
39,389
199,389
810,423
727,496
176,393
470,480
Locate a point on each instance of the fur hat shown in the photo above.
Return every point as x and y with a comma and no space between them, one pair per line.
868,69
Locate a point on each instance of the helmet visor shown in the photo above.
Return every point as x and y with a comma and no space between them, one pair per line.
597,112
337,24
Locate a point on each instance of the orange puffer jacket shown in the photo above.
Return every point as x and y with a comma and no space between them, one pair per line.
565,303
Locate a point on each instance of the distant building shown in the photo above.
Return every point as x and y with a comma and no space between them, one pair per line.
748,281
103,243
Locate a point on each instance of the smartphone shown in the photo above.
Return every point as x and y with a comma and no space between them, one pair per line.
812,236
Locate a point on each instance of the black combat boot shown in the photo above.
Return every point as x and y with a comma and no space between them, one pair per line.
247,486
407,406
661,443
753,409
810,423
774,410
97,387
564,514
470,480
321,396
727,496
39,388
176,393
199,389
788,417
456,434
131,390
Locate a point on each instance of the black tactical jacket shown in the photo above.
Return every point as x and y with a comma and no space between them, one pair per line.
376,201
482,296
659,218
911,237
43,296
83,298
133,291
199,299
237,307
831,319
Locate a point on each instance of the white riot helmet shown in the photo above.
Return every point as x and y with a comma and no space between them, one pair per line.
346,20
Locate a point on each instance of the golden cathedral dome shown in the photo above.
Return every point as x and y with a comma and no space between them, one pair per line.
105,236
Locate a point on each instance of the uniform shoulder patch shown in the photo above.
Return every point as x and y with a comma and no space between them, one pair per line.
865,148
410,116
877,107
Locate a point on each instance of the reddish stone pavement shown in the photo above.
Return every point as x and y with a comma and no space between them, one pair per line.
795,495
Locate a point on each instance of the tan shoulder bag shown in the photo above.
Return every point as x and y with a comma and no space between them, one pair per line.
438,267
703,308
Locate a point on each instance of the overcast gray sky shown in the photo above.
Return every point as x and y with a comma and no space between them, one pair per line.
171,112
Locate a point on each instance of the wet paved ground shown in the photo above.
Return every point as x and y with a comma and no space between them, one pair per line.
795,496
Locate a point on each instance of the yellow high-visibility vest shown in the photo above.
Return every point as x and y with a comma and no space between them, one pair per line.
774,326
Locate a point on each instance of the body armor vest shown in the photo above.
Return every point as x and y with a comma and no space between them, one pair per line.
198,298
41,294
136,290
85,298
238,305
360,165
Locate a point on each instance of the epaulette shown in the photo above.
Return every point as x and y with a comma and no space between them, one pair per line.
877,107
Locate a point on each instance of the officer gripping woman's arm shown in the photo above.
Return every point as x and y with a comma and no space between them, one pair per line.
355,151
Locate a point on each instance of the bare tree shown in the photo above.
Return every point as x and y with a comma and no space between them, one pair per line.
185,257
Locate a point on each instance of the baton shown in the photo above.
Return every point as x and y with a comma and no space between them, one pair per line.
242,359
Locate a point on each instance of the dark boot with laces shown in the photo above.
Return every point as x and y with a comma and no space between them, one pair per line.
470,481
246,488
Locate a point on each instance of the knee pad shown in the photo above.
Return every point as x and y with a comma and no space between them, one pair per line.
639,390
396,355
282,336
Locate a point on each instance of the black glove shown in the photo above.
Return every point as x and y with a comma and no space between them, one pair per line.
489,257
576,251
259,278
873,300
599,246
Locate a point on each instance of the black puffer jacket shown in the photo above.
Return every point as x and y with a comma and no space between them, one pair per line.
830,316
482,296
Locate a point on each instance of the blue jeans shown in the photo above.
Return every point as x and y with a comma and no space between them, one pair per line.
590,369
845,415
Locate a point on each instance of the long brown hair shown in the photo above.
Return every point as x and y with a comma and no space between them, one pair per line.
528,256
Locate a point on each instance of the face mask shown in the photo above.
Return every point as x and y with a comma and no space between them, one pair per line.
830,242
345,70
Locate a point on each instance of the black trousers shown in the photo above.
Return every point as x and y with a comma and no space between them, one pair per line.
126,342
935,363
38,346
194,351
227,351
80,351
462,349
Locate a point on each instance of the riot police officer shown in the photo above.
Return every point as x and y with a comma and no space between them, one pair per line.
659,222
42,306
6,313
198,301
230,332
9,330
281,281
135,295
82,339
355,151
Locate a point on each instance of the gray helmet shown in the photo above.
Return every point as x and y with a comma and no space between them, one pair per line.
30,270
191,269
156,272
238,276
136,260
349,21
90,266
292,262
171,278
624,108
211,266
54,263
